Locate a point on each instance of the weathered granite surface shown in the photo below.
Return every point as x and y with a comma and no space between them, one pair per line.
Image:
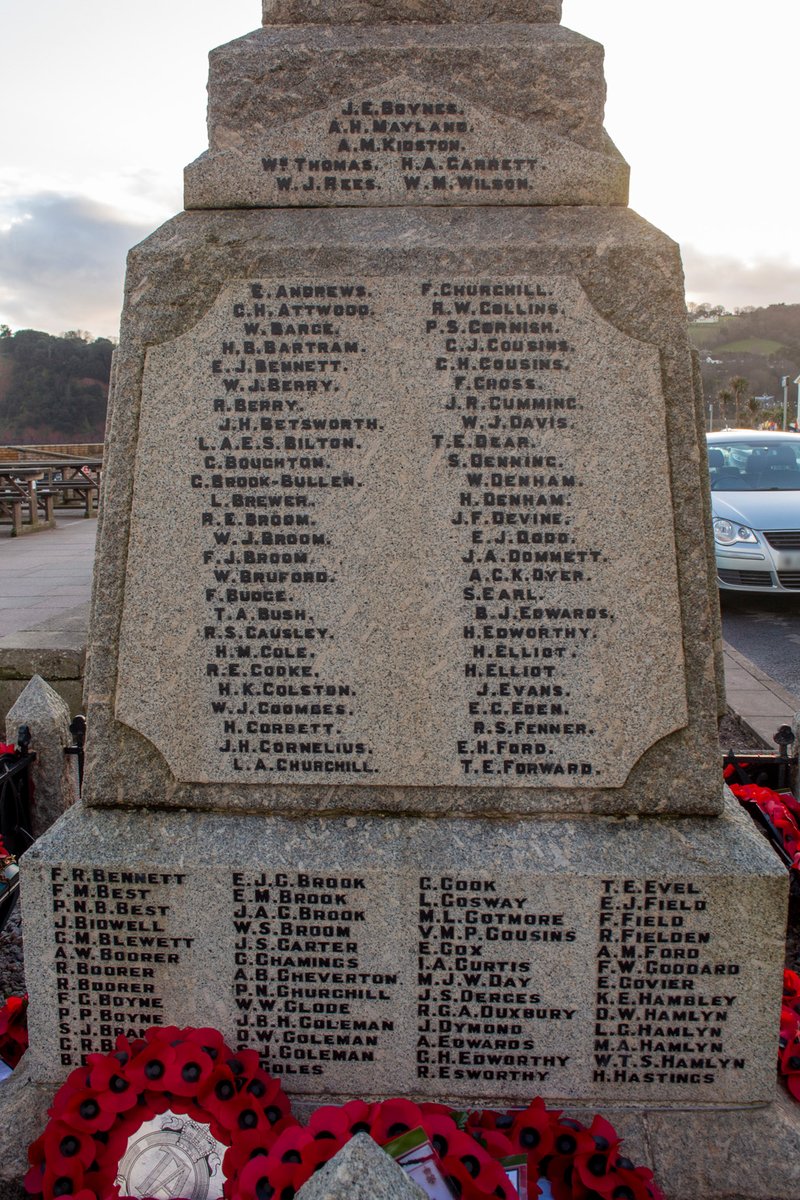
522,91
631,276
23,1118
402,143
361,1171
54,774
372,12
595,959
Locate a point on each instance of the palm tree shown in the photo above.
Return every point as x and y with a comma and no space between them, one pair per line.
725,395
739,386
753,409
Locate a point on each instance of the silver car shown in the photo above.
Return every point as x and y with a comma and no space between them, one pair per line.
755,497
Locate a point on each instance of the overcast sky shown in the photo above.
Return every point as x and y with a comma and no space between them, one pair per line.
103,104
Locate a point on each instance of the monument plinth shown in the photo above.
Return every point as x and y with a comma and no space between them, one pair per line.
402,757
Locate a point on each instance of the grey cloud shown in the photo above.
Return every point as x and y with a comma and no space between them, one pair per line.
62,263
723,279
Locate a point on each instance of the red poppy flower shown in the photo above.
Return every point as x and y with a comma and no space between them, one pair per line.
115,1092
496,1143
493,1181
188,1070
314,1155
13,1030
531,1132
395,1117
210,1040
261,1174
65,1182
436,1110
269,1094
360,1115
791,987
63,1145
241,1113
288,1145
628,1183
464,1184
253,1143
84,1112
790,1067
148,1068
571,1138
443,1132
218,1088
330,1121
243,1065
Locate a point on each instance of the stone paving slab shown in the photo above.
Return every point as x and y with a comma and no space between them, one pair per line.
761,704
44,576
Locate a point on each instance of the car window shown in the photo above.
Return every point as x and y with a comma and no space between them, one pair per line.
754,466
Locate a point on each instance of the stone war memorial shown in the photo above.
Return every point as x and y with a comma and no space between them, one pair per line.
404,670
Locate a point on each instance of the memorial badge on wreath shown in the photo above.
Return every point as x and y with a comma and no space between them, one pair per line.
154,1118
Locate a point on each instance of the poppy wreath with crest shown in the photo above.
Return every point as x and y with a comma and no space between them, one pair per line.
188,1072
581,1163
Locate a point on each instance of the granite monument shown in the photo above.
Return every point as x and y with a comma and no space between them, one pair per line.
404,658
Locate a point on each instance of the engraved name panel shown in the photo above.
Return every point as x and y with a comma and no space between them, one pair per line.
402,532
401,143
403,977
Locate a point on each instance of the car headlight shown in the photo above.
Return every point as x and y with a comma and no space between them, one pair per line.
726,532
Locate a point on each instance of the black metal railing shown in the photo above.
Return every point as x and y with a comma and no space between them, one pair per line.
78,731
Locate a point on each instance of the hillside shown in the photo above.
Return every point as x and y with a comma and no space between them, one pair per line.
53,389
762,345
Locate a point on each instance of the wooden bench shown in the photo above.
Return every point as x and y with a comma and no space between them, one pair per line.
12,501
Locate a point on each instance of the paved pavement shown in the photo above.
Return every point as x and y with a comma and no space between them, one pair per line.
761,703
42,574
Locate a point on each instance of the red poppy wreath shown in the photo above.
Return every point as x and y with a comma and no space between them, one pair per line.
196,1093
180,1113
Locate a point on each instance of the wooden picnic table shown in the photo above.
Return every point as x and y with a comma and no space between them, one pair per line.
35,483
